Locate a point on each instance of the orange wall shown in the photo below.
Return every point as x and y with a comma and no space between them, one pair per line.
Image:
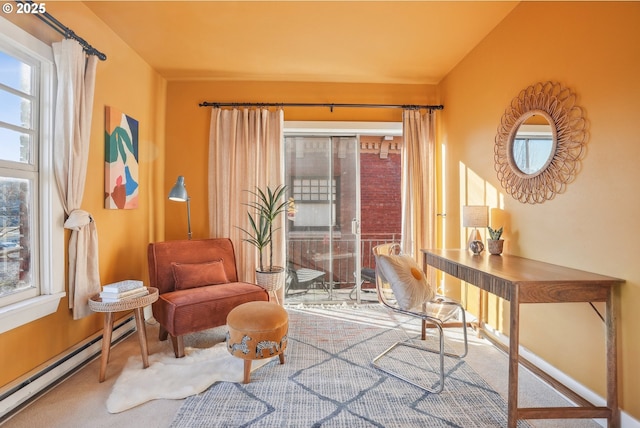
188,127
593,48
126,82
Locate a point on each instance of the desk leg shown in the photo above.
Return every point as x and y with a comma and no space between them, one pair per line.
142,336
514,343
612,362
481,300
106,344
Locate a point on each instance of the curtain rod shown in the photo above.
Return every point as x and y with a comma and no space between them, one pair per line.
48,19
331,105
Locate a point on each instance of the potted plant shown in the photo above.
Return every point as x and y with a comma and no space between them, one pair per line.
494,243
267,206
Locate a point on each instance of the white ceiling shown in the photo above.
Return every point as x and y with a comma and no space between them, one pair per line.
396,42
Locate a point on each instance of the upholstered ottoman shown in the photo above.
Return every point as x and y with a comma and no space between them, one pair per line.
257,330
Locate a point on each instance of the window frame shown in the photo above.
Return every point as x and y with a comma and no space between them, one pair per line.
48,214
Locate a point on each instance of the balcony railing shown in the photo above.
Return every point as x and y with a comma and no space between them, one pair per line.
336,258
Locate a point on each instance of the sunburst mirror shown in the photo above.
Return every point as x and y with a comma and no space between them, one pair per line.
540,142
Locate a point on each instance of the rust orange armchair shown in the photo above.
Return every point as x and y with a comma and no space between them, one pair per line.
198,285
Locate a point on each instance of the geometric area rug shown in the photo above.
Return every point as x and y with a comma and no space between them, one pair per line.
328,381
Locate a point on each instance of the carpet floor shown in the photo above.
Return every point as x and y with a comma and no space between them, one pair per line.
327,380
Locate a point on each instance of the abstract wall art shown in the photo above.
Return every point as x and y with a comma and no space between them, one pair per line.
120,160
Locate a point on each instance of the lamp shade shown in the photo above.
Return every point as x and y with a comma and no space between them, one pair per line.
475,216
179,192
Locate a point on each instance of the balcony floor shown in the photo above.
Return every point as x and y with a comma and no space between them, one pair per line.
320,296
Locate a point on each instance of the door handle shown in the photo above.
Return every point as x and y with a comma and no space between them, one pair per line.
355,227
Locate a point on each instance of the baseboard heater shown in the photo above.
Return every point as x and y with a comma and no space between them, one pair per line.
21,392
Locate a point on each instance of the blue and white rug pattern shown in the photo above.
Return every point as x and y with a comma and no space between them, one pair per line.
327,381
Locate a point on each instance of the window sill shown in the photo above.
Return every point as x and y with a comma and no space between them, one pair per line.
29,310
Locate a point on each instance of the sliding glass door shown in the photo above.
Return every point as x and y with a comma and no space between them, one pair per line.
323,243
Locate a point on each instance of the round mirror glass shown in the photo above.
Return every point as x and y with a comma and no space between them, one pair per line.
533,146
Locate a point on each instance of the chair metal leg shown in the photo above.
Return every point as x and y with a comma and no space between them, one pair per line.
441,353
440,385
463,324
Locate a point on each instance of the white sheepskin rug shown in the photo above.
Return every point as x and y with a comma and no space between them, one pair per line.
168,377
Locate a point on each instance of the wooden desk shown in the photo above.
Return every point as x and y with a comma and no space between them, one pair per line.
519,280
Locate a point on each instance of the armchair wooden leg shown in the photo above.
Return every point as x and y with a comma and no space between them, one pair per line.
178,346
162,334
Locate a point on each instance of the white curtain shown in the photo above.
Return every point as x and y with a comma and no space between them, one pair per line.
72,126
246,150
418,183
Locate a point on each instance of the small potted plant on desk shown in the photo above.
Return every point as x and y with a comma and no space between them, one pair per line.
494,243
268,206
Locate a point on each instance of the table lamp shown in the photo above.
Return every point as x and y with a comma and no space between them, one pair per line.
475,216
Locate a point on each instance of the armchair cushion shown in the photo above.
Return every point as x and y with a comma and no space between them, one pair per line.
196,309
192,275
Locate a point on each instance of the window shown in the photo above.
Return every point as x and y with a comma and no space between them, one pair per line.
531,154
18,177
31,281
315,201
533,147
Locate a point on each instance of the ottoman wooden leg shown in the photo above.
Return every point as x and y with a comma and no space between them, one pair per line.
281,356
247,371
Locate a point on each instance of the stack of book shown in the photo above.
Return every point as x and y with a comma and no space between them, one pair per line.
123,290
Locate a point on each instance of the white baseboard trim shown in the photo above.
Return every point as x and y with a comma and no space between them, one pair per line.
626,420
28,387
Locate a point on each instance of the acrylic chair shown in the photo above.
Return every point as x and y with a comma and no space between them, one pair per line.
434,312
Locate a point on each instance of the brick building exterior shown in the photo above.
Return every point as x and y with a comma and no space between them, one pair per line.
380,194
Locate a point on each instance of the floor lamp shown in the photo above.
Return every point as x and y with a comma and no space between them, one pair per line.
179,193
475,216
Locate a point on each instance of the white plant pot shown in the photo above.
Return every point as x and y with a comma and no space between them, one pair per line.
271,280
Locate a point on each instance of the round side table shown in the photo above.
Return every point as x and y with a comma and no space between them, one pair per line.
109,308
